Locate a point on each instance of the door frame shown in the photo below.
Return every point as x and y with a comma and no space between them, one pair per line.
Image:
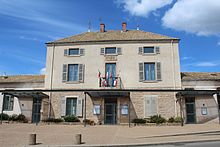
114,112
194,110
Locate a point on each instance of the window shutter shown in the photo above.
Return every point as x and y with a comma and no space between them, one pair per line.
81,73
159,75
140,50
102,51
150,105
66,52
141,72
79,107
64,79
119,51
82,52
63,107
157,50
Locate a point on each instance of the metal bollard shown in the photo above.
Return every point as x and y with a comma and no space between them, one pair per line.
32,139
78,139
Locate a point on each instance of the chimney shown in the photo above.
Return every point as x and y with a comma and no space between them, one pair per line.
102,27
124,25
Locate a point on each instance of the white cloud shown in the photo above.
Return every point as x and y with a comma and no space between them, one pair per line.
206,64
142,7
42,71
186,58
194,16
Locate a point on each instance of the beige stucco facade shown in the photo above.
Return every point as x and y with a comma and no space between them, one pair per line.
126,68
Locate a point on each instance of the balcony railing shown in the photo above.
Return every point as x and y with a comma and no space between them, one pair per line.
110,82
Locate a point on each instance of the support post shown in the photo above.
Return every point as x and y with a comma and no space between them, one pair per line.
129,113
85,111
78,139
181,110
2,106
32,139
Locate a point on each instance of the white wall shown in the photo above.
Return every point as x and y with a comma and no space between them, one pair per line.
16,106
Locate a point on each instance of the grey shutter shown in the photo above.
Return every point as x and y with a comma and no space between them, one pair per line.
140,50
147,103
159,75
141,72
150,105
81,73
102,51
119,51
63,107
66,52
79,107
157,50
64,77
82,52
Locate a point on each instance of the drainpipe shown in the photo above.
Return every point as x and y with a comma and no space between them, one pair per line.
51,82
173,69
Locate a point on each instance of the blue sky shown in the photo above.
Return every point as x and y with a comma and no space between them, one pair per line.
26,25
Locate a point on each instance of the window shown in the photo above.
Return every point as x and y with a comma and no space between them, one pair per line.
124,109
149,72
8,103
110,50
73,72
148,50
74,51
97,109
71,105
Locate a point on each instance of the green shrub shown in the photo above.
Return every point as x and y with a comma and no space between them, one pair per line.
158,119
171,120
55,120
88,121
13,117
71,118
22,118
4,116
139,121
178,119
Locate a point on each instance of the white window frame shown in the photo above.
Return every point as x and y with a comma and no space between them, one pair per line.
149,53
76,97
116,51
73,49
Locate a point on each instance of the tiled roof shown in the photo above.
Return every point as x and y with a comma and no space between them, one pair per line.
22,79
200,76
113,35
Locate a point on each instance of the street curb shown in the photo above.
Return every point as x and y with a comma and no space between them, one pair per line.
126,145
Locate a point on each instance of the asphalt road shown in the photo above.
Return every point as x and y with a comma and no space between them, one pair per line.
198,144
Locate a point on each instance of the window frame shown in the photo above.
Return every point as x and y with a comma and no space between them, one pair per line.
155,72
154,50
73,54
71,97
109,54
69,81
10,104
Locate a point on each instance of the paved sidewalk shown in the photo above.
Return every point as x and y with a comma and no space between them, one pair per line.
17,134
